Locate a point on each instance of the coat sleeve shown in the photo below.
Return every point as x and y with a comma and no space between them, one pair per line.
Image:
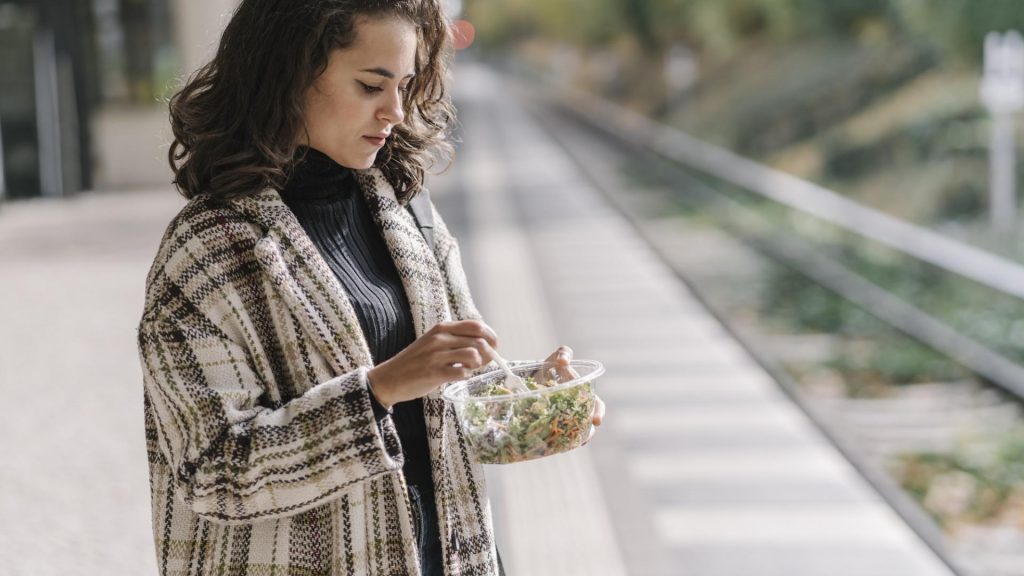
236,460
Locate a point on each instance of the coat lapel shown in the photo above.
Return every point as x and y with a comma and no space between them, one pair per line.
306,282
428,296
416,263
313,293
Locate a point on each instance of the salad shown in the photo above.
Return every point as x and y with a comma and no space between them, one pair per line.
527,426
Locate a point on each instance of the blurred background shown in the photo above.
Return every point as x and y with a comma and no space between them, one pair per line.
788,227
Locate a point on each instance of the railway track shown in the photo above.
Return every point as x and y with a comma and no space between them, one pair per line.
717,245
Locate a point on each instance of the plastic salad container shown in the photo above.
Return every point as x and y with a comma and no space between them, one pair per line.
505,426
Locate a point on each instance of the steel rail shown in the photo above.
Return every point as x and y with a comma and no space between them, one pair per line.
888,489
983,267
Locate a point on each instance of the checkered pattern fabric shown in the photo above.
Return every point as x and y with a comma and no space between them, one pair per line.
264,454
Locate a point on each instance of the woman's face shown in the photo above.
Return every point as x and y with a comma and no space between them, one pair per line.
352,107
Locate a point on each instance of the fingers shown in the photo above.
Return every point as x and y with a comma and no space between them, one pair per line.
469,358
455,372
448,351
598,416
469,329
562,356
451,342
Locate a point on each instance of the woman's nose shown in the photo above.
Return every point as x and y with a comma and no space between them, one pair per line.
392,110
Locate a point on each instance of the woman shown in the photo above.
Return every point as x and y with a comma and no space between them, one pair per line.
298,323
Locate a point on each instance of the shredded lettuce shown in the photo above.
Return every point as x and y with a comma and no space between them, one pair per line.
527,428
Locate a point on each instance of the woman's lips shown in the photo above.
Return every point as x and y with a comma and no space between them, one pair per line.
376,141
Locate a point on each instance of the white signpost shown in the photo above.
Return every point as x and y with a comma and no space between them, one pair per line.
1002,91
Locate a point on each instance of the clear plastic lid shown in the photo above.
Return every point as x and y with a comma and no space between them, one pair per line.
478,388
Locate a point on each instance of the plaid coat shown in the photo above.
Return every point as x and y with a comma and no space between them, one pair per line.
264,454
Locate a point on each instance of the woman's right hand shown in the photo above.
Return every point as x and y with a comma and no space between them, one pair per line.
448,351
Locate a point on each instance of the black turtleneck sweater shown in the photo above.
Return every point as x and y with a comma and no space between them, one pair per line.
326,199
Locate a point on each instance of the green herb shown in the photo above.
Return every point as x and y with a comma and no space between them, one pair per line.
531,427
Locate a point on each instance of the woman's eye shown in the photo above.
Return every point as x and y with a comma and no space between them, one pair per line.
370,89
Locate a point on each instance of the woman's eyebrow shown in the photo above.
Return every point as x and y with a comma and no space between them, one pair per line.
385,72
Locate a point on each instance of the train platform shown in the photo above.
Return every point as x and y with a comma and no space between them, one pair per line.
703,467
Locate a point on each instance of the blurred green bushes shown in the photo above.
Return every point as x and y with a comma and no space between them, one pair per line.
876,99
954,27
983,481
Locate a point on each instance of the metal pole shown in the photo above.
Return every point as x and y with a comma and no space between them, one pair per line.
1002,91
3,175
1003,184
51,173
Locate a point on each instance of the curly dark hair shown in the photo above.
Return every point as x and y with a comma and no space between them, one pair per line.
237,119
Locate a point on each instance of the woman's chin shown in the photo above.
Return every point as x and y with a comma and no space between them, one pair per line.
363,163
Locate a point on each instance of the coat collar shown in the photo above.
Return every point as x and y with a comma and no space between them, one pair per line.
313,293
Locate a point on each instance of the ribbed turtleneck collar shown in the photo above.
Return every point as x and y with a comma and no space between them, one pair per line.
316,177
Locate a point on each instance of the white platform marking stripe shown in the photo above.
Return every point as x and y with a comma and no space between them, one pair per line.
698,353
846,524
760,417
658,392
745,466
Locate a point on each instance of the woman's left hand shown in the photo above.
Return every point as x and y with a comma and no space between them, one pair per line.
561,359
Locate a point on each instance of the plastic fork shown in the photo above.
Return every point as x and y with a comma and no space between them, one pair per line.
511,377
